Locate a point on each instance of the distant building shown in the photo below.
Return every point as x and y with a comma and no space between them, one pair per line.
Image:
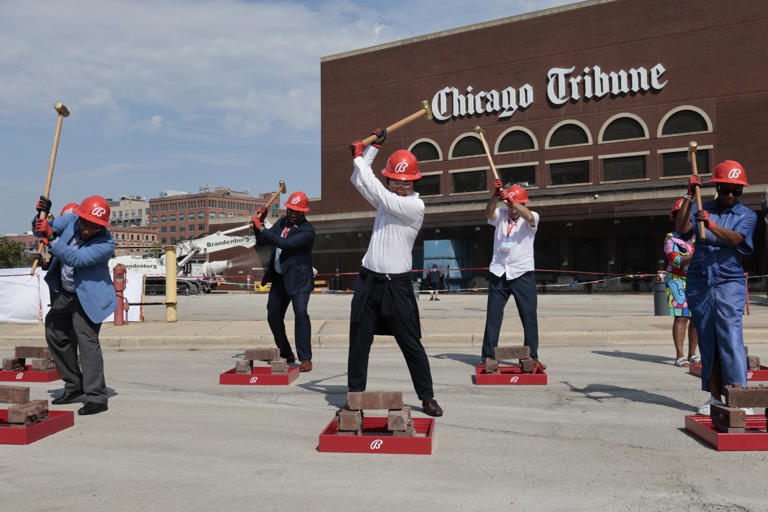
27,239
133,240
180,216
129,211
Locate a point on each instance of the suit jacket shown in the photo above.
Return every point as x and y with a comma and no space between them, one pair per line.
89,260
295,258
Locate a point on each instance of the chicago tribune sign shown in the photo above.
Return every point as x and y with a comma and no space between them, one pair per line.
562,86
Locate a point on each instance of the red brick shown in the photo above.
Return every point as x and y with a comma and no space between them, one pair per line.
34,352
243,366
14,394
262,354
409,431
754,396
375,400
527,365
753,363
398,419
279,366
491,366
349,420
28,413
14,364
728,416
506,353
40,364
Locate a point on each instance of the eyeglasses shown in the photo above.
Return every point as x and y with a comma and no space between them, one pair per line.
724,191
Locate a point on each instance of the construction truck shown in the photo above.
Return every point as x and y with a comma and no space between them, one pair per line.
195,273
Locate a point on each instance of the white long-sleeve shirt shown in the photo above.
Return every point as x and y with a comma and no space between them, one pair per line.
398,220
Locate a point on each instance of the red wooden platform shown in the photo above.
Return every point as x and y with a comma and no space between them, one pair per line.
377,439
261,376
29,375
761,374
58,420
509,376
754,439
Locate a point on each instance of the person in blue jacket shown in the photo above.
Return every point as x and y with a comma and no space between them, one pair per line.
83,296
716,285
290,272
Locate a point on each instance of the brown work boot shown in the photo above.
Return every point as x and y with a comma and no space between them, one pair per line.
539,364
431,407
306,366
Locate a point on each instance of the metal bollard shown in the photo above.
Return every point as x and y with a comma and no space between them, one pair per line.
170,283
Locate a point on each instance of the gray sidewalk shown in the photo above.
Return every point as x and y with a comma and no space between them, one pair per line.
237,321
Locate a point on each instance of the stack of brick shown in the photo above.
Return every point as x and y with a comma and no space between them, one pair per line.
278,364
38,359
25,412
731,418
522,354
399,421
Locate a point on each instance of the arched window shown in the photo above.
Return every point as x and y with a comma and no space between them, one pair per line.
469,145
684,121
568,134
623,128
515,140
425,151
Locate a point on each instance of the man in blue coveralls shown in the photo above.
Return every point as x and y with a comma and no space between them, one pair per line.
717,287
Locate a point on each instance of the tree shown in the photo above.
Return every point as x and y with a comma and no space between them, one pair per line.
11,253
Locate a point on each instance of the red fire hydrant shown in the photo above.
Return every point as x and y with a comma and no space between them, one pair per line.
118,278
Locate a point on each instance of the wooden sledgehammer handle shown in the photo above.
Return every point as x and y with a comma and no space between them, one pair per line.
481,133
280,190
692,146
63,112
424,111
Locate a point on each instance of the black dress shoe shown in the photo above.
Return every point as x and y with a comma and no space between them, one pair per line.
67,397
290,359
431,408
92,408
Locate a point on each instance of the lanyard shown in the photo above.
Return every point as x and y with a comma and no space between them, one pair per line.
510,224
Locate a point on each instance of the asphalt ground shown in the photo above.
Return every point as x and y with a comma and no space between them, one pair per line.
606,433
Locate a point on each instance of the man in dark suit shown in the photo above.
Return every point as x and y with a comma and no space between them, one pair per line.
290,272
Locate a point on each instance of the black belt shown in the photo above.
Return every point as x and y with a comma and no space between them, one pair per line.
370,277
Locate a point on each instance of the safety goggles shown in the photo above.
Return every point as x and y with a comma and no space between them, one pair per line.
724,191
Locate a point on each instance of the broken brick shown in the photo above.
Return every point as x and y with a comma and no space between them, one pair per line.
15,364
357,400
506,353
491,366
262,354
28,413
243,366
398,419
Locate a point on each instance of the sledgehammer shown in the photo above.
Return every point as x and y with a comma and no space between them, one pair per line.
63,112
425,110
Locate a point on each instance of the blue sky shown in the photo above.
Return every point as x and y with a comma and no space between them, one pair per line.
174,94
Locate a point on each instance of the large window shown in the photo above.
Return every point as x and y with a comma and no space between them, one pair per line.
524,174
684,121
516,140
154,219
181,217
677,164
200,216
468,181
624,168
568,135
163,218
623,128
468,146
428,185
173,217
569,173
425,151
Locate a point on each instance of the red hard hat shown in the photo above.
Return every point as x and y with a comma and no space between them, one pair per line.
298,201
68,208
678,205
729,171
94,209
517,193
403,166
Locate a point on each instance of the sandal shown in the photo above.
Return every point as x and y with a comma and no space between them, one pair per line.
681,362
694,359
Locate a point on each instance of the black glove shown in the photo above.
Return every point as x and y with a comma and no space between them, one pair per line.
43,205
381,136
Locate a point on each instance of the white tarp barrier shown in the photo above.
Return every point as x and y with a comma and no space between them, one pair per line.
26,299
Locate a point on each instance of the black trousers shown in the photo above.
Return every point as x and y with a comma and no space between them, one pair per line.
386,305
67,330
523,289
277,305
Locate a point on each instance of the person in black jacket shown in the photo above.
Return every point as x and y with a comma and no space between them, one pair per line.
290,272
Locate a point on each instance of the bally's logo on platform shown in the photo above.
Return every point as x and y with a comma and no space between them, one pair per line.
98,211
19,375
401,167
749,375
253,380
513,380
376,444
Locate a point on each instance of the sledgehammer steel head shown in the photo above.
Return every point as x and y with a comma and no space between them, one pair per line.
282,187
426,107
61,109
692,148
477,129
